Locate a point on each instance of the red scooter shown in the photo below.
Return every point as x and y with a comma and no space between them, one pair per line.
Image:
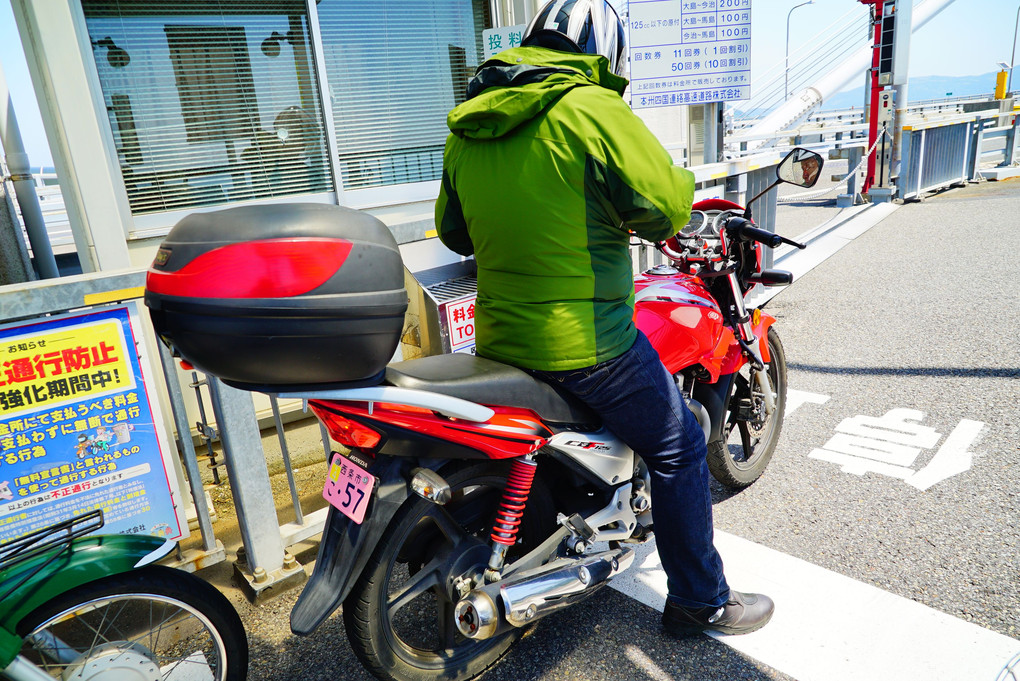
470,499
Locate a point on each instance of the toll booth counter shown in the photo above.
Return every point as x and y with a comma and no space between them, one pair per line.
441,288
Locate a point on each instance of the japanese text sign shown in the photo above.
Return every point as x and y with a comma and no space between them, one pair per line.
77,428
689,52
498,39
459,317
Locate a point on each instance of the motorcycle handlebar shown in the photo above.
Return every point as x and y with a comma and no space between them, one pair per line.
741,229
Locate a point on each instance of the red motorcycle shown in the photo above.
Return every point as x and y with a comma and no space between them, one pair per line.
470,499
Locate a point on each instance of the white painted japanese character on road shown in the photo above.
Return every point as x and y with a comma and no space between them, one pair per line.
889,445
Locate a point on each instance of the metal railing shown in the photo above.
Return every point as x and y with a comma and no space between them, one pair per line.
952,151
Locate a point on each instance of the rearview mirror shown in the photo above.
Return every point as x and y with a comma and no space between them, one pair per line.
801,167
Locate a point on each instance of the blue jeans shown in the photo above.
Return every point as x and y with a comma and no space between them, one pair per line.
640,403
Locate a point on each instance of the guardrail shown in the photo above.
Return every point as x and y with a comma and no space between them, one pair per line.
833,128
952,151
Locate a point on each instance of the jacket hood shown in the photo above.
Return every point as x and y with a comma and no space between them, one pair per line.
518,84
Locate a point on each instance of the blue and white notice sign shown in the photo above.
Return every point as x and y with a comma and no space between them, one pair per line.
689,52
495,40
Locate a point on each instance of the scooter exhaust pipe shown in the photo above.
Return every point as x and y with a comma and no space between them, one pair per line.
523,598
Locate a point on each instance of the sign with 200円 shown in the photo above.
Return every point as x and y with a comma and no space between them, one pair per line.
78,430
689,52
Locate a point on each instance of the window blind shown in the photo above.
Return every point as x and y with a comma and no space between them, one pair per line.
395,69
210,102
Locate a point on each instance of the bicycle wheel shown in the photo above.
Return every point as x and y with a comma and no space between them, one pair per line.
150,624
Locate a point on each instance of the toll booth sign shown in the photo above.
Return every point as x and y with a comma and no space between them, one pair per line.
495,40
458,321
686,52
78,429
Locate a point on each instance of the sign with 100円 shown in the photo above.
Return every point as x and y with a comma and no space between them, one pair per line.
78,430
689,52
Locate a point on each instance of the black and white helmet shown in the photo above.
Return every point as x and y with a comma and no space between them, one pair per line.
586,26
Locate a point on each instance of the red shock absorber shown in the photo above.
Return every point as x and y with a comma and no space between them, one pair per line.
511,510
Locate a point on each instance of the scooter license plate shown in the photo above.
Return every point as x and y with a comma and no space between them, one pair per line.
348,487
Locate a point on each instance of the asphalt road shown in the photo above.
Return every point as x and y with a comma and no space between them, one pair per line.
916,314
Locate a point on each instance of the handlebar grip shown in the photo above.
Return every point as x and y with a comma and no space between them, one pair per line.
742,230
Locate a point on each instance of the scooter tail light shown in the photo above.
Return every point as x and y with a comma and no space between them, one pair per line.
348,432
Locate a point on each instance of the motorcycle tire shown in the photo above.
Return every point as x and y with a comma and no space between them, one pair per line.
399,615
749,437
150,623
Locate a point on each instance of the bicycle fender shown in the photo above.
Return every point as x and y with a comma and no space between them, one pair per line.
83,560
345,549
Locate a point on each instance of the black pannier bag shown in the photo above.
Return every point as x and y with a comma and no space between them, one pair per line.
282,297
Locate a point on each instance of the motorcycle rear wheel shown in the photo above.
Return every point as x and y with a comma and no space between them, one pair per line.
150,623
749,436
399,616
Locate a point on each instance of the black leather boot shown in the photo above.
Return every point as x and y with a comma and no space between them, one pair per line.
741,614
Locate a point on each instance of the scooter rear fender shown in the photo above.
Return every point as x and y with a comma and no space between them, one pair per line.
84,560
346,547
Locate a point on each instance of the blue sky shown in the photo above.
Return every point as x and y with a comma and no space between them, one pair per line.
966,38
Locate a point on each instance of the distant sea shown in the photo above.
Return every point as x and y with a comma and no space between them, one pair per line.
923,88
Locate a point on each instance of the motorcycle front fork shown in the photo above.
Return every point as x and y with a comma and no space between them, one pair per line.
750,344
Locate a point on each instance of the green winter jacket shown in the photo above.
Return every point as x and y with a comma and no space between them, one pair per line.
544,173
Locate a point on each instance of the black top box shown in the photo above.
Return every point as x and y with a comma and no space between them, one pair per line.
280,298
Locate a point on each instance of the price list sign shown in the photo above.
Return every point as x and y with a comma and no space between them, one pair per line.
689,52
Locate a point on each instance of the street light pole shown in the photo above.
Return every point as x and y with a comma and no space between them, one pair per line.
786,72
1012,55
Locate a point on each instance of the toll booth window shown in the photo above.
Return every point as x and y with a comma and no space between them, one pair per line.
210,103
395,69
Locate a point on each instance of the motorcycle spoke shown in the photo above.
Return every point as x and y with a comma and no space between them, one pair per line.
450,636
419,583
746,442
448,525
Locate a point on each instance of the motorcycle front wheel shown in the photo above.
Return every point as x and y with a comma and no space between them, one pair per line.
150,624
749,433
399,616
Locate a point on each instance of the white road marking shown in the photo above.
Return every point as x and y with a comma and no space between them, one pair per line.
795,398
952,457
829,627
889,445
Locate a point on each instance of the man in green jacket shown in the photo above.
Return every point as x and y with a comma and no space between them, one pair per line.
546,171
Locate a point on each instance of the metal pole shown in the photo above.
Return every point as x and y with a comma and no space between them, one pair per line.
24,185
786,72
249,479
712,134
901,67
299,516
188,455
1012,55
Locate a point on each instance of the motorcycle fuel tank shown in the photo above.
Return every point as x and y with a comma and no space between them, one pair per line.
679,316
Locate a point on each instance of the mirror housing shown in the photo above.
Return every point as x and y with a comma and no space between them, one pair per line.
801,167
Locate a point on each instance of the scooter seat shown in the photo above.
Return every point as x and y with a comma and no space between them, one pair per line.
488,382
